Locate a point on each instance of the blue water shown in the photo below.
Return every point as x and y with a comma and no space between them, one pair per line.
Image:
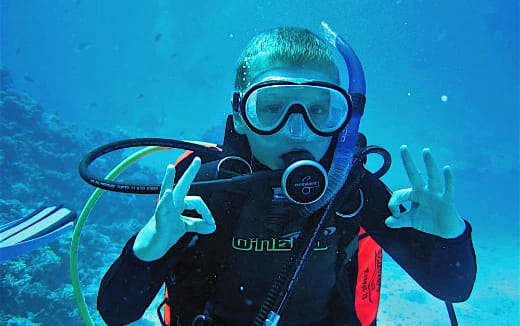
440,74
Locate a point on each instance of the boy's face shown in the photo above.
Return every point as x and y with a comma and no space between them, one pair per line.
295,134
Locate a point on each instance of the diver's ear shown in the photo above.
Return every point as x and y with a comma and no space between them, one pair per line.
238,123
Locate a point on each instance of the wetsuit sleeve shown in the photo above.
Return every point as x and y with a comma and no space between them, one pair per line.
444,267
130,284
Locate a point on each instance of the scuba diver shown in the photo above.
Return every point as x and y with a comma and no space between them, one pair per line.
299,243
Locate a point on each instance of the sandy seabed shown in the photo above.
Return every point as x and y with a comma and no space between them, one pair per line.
494,300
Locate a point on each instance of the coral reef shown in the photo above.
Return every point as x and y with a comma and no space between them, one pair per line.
39,157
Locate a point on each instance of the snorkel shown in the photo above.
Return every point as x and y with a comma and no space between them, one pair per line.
342,161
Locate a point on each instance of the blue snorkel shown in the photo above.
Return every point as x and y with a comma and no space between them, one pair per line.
356,75
344,154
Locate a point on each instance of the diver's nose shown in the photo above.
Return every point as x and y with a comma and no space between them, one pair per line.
296,125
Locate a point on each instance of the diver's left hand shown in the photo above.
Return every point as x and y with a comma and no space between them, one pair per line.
432,208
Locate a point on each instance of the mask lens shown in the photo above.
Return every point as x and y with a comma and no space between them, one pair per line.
267,107
335,114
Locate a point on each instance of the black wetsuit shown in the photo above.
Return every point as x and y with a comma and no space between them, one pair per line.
236,271
228,273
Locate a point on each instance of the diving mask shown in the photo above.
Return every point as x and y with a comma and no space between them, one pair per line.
267,106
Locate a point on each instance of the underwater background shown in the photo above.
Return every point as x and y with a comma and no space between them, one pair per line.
79,74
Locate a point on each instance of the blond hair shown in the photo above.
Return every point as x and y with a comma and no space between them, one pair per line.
283,47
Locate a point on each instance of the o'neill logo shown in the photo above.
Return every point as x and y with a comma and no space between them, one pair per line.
283,243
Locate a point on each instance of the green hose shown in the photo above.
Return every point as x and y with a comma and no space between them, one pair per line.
73,255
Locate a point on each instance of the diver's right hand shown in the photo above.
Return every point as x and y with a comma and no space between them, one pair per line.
168,225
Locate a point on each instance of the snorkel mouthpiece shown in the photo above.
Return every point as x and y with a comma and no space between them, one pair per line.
304,180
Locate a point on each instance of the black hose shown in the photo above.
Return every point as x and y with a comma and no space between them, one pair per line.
451,313
387,159
89,177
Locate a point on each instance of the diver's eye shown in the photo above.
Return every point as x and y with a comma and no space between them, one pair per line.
317,109
273,109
